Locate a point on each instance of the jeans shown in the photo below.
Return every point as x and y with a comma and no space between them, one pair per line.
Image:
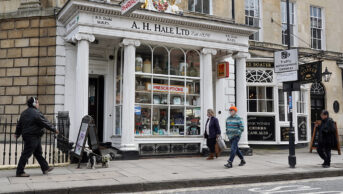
235,149
32,145
325,153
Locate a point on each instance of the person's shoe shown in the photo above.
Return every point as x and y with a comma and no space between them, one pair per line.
242,163
49,170
228,165
326,166
210,157
23,175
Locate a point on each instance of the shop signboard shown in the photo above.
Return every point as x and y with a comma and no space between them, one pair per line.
223,70
128,6
286,60
302,128
310,72
287,76
261,128
165,88
260,64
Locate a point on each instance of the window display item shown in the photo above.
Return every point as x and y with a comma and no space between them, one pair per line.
140,87
157,99
139,64
177,100
192,71
164,99
157,68
182,68
147,66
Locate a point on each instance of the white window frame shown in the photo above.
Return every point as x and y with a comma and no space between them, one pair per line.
210,9
259,36
293,23
323,42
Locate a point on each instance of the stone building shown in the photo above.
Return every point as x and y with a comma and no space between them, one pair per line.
148,77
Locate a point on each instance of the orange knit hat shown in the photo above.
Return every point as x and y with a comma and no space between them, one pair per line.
233,108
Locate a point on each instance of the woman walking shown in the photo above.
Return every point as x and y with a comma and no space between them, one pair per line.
212,131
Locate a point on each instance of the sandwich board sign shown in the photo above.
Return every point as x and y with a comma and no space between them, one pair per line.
286,60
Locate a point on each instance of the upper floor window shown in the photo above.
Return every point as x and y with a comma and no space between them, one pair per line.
252,16
284,22
199,6
316,27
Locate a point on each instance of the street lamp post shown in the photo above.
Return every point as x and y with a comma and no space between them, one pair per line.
326,75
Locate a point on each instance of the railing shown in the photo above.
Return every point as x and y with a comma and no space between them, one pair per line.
11,147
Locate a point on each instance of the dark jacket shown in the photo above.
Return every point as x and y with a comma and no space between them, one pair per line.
214,128
31,123
327,136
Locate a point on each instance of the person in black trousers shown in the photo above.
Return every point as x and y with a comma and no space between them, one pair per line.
30,126
326,139
212,131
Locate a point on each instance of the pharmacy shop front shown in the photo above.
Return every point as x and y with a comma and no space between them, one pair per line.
149,77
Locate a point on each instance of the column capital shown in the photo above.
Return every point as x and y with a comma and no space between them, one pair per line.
133,42
83,36
241,55
209,51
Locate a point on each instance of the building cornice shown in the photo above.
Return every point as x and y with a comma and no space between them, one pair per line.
76,6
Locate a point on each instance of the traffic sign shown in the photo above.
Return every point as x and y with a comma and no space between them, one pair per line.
286,60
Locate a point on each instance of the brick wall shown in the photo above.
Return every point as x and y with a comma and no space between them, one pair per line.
27,64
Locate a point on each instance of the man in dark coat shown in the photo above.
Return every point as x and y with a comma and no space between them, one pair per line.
326,138
30,126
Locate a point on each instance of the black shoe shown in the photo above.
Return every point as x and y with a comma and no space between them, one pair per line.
242,163
326,166
23,175
49,170
228,165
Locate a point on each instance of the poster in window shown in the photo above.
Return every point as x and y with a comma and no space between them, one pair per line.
261,128
302,128
285,133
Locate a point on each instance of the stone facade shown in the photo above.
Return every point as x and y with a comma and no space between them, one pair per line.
27,64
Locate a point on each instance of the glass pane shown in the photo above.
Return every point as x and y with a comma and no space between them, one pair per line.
191,5
160,60
160,120
177,92
193,63
281,97
177,118
270,106
206,6
193,121
177,62
143,59
143,93
118,112
143,120
282,115
252,105
198,6
193,94
262,106
252,93
269,92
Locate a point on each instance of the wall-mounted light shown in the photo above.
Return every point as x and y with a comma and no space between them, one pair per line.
326,75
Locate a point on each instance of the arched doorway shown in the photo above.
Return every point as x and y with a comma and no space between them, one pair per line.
317,101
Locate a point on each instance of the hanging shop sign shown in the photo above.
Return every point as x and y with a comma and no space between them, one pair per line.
310,72
260,64
165,88
302,128
128,6
261,128
286,60
223,70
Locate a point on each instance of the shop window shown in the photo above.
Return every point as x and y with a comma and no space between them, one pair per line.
301,103
284,22
260,99
259,76
199,6
119,93
283,105
167,91
252,16
316,27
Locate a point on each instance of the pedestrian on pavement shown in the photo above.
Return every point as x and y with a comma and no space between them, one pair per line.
30,126
234,129
212,131
326,139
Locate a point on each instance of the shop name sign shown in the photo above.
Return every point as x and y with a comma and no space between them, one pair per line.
128,6
310,72
166,88
286,60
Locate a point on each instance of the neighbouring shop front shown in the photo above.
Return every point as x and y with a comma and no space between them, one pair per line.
268,121
158,74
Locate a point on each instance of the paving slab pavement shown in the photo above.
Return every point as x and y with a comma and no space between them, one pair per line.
166,173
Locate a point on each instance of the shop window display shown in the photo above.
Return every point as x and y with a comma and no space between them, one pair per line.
167,100
260,99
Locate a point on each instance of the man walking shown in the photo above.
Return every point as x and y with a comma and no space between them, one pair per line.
234,129
327,139
30,126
